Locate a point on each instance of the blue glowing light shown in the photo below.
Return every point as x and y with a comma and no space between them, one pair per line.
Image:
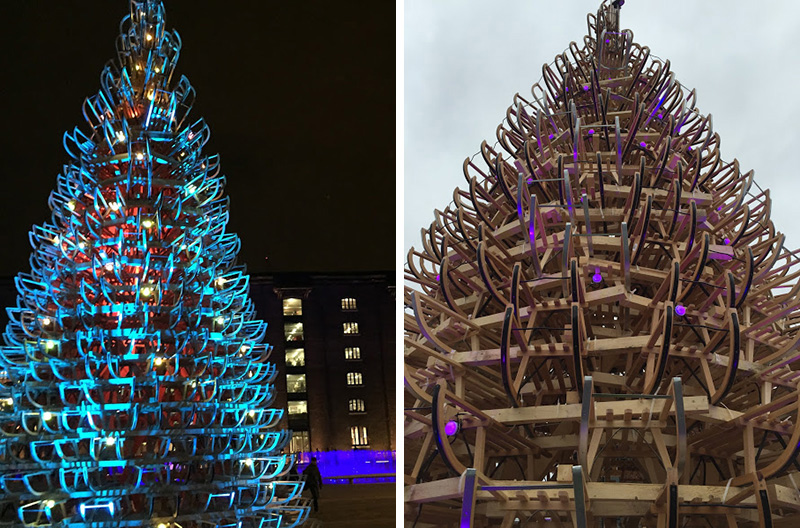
136,325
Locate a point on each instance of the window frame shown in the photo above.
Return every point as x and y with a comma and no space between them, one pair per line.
357,377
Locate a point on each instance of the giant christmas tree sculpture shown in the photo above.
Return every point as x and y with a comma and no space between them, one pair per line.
135,390
603,326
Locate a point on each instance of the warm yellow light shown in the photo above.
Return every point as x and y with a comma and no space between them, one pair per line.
251,413
248,461
50,504
82,245
162,525
49,344
71,205
147,290
46,321
138,67
148,36
121,135
111,441
147,223
56,240
139,156
220,320
114,206
158,70
150,95
220,281
47,416
159,361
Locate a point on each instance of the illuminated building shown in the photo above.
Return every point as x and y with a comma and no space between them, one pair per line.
334,342
135,389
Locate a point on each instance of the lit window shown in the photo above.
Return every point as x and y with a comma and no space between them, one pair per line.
357,406
358,434
296,382
295,357
293,331
292,306
348,303
350,328
353,379
352,353
300,442
298,407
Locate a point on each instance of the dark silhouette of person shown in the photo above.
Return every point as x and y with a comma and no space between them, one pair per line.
313,481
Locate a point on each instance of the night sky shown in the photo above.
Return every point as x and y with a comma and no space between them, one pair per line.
299,97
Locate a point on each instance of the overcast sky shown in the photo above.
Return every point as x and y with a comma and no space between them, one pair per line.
465,60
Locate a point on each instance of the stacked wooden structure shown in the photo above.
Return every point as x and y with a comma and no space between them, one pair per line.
601,328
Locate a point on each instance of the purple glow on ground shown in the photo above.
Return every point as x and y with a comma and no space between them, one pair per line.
360,466
680,310
451,428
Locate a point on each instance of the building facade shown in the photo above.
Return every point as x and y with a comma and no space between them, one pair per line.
333,342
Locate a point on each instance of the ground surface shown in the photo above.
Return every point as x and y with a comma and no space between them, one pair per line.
356,506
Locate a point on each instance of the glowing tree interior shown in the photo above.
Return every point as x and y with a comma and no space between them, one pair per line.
135,390
601,328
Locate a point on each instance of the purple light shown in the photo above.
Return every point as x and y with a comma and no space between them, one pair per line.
643,144
719,208
530,180
585,87
451,428
597,278
344,467
551,136
680,310
660,116
727,241
688,148
607,41
438,277
591,131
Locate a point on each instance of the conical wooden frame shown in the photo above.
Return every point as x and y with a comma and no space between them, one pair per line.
601,327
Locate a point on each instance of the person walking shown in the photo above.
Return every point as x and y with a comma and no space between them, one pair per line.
313,481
